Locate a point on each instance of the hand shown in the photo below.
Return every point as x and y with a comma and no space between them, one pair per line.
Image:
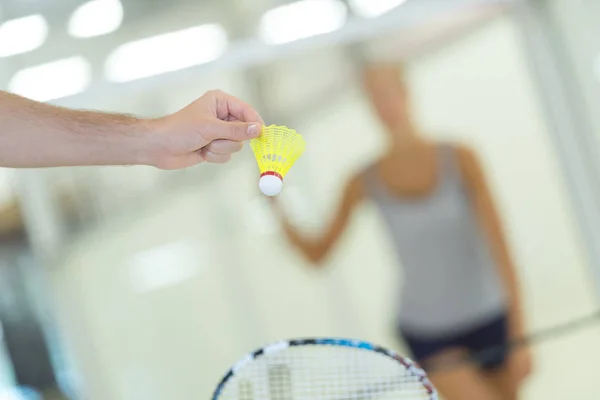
209,129
520,364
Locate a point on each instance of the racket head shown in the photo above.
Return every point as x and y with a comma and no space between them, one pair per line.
325,369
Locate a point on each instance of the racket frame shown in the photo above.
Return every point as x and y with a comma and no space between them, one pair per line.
412,367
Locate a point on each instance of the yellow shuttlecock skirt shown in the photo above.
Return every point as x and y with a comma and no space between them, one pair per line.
277,149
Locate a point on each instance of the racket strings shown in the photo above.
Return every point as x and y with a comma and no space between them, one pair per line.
324,373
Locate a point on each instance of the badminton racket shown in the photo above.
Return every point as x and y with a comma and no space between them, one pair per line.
325,369
541,336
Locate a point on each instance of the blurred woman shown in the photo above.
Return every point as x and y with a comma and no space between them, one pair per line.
460,293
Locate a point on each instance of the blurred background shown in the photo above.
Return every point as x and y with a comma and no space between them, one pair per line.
132,283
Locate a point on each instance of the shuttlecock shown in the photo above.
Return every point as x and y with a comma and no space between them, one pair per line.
276,150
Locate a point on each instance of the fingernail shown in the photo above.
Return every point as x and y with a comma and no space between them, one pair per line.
253,130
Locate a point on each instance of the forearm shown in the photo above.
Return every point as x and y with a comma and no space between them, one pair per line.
494,232
314,250
34,134
509,279
515,303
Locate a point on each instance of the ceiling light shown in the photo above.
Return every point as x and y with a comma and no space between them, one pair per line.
166,53
96,18
374,8
53,80
301,20
22,35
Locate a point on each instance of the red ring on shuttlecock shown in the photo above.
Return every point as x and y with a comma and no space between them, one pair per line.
273,173
270,183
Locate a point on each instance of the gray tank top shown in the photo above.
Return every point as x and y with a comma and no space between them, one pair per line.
450,280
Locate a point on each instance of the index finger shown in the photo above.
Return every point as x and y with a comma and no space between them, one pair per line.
228,106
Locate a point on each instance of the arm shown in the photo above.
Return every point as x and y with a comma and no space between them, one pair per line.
34,134
490,221
315,249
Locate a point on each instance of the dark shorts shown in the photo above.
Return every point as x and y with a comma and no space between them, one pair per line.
487,344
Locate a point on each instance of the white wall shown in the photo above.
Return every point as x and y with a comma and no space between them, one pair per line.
575,22
235,284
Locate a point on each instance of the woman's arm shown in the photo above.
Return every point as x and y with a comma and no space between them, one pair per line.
490,221
315,249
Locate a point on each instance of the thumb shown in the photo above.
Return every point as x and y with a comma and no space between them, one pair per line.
234,130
